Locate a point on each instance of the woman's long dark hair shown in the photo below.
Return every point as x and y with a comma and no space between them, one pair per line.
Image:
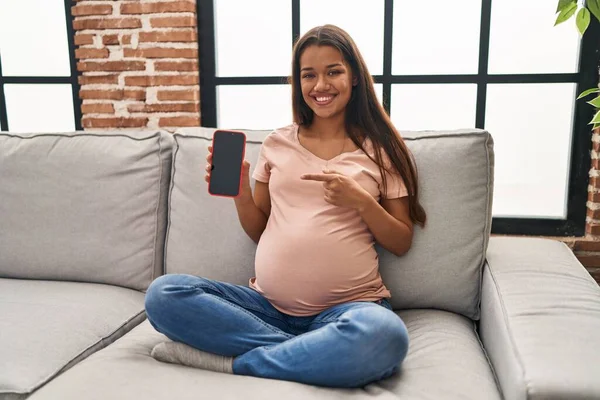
365,117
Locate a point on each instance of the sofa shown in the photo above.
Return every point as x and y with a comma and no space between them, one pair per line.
89,219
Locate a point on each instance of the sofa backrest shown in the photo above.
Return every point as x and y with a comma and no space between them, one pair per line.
443,268
84,206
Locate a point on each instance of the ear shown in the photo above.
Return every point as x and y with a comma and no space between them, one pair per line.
354,80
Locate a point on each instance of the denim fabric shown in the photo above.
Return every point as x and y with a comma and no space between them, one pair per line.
347,345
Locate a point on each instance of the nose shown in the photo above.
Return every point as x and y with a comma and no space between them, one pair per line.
322,84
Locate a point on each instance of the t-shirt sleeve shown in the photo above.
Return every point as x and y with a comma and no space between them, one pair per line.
262,171
394,183
395,187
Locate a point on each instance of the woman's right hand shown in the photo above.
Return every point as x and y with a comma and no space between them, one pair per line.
246,190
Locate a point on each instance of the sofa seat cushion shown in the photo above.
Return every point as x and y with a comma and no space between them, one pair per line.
445,361
47,327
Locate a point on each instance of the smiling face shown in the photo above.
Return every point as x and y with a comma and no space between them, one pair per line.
326,80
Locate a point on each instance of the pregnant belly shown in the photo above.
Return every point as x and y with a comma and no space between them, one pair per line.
313,267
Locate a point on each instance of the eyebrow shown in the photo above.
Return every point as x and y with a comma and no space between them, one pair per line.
329,66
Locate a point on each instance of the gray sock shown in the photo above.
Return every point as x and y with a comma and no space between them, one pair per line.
181,353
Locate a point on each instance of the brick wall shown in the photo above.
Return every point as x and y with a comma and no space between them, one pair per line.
587,249
138,63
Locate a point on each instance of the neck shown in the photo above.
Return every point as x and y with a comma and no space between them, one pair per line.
329,128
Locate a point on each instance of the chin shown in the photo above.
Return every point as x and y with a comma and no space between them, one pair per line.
324,113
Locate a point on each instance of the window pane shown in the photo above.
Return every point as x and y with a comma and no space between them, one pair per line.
33,38
253,38
433,106
254,106
436,37
39,108
363,20
531,125
379,92
524,40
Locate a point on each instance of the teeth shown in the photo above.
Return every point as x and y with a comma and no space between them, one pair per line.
324,98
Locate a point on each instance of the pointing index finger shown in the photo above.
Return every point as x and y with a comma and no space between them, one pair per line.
317,177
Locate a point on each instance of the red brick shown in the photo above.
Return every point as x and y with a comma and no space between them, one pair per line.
84,39
161,52
126,39
134,94
111,66
173,22
589,260
179,121
105,23
593,214
586,245
165,80
110,39
91,53
98,79
85,94
595,182
114,122
189,95
176,66
592,229
97,108
96,9
162,7
169,107
170,36
596,146
594,197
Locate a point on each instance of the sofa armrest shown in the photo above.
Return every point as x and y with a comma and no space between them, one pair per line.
540,320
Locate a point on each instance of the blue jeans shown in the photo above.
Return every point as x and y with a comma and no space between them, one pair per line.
347,345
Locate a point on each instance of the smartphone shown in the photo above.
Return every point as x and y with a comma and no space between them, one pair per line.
229,149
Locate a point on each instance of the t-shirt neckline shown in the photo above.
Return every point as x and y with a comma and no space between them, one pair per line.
310,153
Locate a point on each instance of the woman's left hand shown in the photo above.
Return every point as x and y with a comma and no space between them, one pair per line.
341,190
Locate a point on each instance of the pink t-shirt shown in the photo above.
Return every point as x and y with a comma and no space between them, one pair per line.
313,254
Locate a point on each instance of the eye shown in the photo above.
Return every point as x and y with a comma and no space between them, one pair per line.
335,72
307,76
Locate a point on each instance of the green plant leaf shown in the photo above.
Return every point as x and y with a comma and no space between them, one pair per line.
566,13
563,3
588,92
583,20
596,119
596,126
594,7
595,102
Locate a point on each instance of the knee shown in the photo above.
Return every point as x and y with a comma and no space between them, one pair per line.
397,339
161,293
154,301
386,334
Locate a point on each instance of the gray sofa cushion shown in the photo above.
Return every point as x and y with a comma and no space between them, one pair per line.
47,327
204,236
443,268
84,206
445,361
541,320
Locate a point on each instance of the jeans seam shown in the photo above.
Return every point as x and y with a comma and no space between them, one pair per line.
337,319
270,327
227,297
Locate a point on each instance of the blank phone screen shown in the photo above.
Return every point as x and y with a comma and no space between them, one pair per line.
228,156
